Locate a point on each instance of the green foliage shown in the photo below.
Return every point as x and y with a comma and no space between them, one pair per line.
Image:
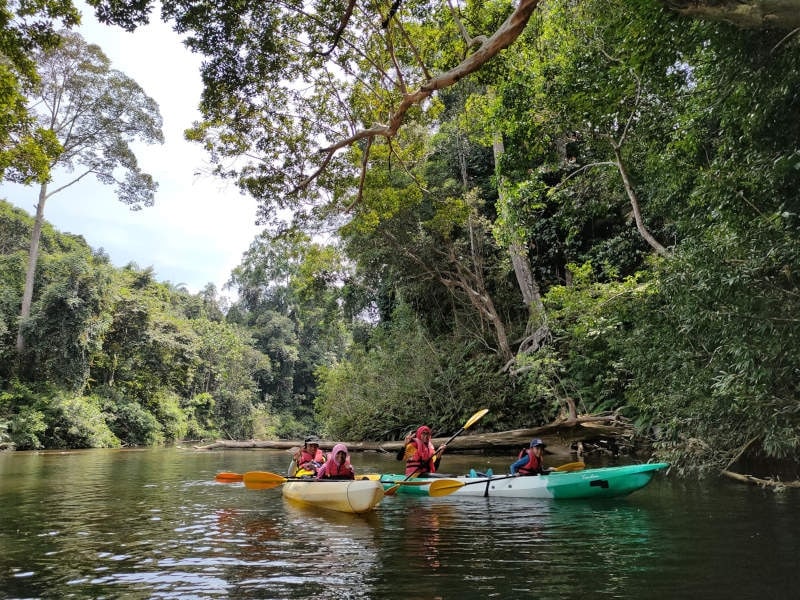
69,319
51,418
290,291
170,415
143,351
199,412
28,428
714,358
133,423
402,379
590,322
390,379
77,422
26,150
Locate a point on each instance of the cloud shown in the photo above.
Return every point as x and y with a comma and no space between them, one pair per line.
200,226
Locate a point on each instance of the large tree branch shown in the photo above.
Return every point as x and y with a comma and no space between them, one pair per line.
505,35
750,14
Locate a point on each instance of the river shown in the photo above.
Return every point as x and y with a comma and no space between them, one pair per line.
154,524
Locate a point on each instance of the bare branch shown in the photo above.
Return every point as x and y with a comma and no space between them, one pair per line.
506,34
342,26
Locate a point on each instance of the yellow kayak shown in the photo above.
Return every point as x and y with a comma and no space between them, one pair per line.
349,496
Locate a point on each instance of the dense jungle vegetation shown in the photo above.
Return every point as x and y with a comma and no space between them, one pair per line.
606,213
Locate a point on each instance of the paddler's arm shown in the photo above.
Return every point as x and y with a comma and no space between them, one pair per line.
517,464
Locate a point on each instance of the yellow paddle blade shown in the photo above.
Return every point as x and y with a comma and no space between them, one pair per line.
392,490
261,485
475,418
443,487
569,467
262,480
226,477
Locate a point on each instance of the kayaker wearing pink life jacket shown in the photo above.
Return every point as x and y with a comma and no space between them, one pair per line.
529,461
310,457
420,456
338,465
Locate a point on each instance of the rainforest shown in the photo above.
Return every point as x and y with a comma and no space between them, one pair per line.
601,217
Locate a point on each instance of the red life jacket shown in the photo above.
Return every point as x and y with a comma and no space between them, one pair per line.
333,470
306,458
421,461
534,464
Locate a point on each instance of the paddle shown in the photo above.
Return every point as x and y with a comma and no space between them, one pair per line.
470,422
226,477
443,487
263,480
570,467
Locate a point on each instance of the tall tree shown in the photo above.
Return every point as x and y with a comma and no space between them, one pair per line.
290,290
95,112
25,147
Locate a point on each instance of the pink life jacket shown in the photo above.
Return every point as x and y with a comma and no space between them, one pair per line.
333,470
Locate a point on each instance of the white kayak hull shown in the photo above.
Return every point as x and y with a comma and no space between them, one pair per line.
349,496
604,482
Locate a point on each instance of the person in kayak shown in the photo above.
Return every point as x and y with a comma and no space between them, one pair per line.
310,457
530,460
338,465
419,454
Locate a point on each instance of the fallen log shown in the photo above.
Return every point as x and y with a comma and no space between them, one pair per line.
773,483
564,436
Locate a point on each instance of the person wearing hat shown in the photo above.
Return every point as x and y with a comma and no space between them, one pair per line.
529,461
310,457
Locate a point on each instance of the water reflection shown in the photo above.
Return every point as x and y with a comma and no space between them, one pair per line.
501,548
304,553
154,524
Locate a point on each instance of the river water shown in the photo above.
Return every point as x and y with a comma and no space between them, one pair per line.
155,524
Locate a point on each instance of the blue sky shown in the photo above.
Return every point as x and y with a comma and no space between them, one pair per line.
199,226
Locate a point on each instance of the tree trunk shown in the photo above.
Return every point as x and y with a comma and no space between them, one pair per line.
519,256
750,14
471,283
637,214
30,273
531,294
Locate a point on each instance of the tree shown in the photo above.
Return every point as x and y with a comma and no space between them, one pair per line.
289,289
299,94
26,148
95,113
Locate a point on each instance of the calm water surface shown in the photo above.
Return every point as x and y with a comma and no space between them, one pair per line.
154,524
